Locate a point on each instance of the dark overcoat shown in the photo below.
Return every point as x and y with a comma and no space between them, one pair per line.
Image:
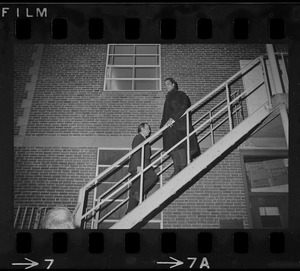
176,103
135,160
150,177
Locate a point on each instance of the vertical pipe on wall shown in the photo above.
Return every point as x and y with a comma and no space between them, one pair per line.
274,68
188,138
278,88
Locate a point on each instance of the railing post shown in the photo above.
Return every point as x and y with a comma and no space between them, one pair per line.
16,218
97,215
285,74
188,151
142,173
94,204
228,106
31,217
211,129
77,213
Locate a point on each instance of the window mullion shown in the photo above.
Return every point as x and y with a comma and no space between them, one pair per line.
144,76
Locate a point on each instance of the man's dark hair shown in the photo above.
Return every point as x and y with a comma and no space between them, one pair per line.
142,125
172,81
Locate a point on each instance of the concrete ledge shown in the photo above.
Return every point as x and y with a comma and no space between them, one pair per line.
26,103
79,141
26,112
18,141
264,143
125,142
33,70
30,94
22,121
22,131
30,86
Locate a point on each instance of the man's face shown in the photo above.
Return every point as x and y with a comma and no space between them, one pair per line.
146,130
169,85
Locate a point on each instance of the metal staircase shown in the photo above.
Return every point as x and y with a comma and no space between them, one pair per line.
221,116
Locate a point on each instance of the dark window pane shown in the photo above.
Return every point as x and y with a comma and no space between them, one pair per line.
146,60
146,85
146,73
271,222
121,49
119,73
120,60
103,187
118,85
114,176
117,214
270,217
146,49
108,157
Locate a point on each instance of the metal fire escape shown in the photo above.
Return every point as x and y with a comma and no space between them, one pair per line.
224,107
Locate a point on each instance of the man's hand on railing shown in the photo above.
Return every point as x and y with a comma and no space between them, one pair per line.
170,122
138,169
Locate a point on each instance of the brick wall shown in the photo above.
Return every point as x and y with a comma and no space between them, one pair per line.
69,97
218,195
22,63
69,101
51,176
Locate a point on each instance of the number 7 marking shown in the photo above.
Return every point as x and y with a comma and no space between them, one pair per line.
194,259
51,262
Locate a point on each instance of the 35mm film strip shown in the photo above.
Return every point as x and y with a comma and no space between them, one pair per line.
150,135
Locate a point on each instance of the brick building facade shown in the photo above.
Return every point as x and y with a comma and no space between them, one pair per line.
62,116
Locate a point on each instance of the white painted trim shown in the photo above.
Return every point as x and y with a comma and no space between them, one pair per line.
158,79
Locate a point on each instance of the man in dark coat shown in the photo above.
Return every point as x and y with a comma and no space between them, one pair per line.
176,103
150,177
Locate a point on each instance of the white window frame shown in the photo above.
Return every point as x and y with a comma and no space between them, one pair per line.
107,66
160,221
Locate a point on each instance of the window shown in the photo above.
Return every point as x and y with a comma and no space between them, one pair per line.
270,217
267,175
132,67
107,157
266,183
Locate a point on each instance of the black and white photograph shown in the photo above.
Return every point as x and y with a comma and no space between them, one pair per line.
151,136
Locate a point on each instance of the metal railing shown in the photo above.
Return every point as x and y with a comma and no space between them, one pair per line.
227,106
29,217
